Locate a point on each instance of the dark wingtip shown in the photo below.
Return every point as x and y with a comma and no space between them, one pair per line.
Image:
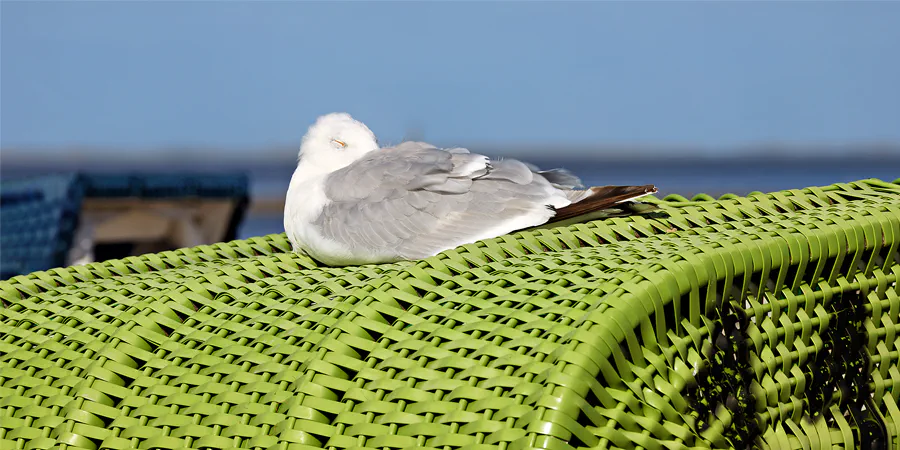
612,191
604,197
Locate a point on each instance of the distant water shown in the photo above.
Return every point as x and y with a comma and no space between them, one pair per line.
684,177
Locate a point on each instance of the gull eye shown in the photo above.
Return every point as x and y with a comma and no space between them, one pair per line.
339,142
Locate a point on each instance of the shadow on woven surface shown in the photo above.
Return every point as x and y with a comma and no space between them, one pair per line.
768,320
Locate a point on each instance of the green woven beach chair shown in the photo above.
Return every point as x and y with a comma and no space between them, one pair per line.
770,320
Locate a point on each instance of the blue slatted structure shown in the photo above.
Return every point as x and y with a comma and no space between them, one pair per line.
39,216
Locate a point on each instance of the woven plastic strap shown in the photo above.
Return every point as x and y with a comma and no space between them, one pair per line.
769,320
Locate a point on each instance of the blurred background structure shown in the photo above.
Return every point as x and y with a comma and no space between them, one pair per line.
60,220
710,97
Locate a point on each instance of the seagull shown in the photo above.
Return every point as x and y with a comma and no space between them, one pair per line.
352,202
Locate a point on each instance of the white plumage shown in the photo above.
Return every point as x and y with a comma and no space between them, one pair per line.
351,202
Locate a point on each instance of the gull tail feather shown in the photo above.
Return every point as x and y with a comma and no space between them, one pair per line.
602,201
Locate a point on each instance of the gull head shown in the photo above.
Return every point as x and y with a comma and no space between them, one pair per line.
334,142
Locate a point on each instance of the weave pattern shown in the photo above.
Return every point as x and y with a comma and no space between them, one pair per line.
769,320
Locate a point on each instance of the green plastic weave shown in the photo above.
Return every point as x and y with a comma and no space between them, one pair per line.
771,320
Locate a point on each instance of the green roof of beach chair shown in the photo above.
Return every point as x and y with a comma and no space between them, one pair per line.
767,320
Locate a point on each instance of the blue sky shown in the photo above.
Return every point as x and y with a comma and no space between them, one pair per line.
717,75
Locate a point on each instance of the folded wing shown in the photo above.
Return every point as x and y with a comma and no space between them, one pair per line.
413,201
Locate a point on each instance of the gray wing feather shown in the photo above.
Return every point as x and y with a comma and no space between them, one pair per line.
413,200
560,178
511,170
